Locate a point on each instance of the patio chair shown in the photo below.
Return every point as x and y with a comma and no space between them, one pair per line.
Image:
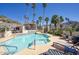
67,50
67,38
52,52
75,40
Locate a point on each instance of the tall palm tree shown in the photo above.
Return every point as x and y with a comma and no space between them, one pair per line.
33,7
61,20
68,20
46,20
70,28
55,20
37,22
27,5
44,7
40,20
26,16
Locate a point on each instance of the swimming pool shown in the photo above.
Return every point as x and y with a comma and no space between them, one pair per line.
26,41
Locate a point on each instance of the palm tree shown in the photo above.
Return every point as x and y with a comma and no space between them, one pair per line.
40,20
50,26
72,27
26,16
70,30
46,19
26,19
33,7
55,20
44,6
68,20
27,4
37,22
61,20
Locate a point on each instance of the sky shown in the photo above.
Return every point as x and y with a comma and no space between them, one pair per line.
18,10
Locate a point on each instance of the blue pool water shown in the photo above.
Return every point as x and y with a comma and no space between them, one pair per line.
26,41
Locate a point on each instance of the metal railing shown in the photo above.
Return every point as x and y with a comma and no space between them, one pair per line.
9,52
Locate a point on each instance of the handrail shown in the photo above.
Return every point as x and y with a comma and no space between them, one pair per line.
9,46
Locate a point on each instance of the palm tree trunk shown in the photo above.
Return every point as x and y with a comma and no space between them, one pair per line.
55,26
70,33
47,26
40,24
43,15
50,27
33,14
27,11
27,18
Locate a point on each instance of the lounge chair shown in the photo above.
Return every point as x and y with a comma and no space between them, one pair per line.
75,40
67,38
66,49
52,52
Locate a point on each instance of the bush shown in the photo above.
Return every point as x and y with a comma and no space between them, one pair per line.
58,32
2,30
48,40
77,29
70,30
36,33
50,32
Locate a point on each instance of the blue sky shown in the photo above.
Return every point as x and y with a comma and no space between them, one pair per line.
17,11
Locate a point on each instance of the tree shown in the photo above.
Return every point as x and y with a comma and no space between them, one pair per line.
46,20
26,16
44,7
67,19
70,29
37,22
27,4
33,7
55,20
61,20
40,20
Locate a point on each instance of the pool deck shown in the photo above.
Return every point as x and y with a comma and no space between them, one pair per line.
7,38
38,49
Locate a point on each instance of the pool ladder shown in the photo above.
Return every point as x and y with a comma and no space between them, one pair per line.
8,53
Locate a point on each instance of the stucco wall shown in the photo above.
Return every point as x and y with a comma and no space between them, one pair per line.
8,33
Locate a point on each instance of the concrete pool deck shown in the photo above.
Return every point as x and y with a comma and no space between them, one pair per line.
38,49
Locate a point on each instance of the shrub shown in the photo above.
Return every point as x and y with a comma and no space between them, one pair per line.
2,30
36,33
70,30
77,29
58,32
48,40
50,32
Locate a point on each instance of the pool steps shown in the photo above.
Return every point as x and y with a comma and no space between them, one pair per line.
9,52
